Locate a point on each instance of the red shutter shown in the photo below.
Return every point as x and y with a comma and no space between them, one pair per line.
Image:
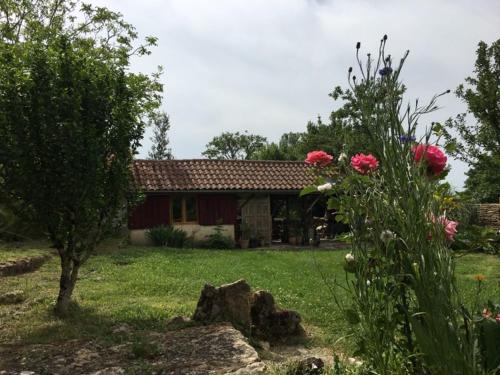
216,208
154,211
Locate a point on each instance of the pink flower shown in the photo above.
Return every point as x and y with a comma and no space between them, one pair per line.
450,229
449,226
487,313
364,163
497,317
434,157
318,158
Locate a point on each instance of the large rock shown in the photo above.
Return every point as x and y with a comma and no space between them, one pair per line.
228,303
213,349
270,322
253,314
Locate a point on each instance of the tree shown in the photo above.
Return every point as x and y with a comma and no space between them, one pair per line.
234,146
161,126
70,121
286,149
478,144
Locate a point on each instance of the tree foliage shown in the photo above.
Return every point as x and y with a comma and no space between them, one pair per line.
476,140
234,146
161,125
70,120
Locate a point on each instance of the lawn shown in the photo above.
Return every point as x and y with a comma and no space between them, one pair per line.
144,287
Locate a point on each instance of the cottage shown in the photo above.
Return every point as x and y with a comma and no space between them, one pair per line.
198,195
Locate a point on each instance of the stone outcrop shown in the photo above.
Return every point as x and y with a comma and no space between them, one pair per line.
23,265
251,313
228,303
211,349
13,297
270,322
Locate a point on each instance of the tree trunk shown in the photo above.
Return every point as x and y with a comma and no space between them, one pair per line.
69,274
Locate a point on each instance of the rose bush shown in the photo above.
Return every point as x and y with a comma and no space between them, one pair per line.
364,163
319,158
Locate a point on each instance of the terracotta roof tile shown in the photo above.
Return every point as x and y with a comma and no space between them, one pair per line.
205,174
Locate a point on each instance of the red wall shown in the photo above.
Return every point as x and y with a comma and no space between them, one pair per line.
153,211
212,209
216,209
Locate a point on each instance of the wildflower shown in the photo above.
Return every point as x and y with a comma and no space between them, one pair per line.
479,277
364,163
349,258
318,158
387,236
385,71
342,157
407,138
325,187
487,313
433,156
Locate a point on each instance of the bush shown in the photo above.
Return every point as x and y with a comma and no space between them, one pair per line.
475,238
178,238
167,236
218,240
159,235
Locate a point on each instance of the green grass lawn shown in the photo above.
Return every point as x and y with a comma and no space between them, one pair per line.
16,250
144,287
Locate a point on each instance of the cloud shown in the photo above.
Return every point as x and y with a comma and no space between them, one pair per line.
268,65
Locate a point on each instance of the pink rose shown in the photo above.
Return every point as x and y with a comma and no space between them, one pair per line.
364,163
487,313
318,158
434,157
450,229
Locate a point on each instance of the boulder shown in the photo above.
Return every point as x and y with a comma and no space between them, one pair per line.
270,322
253,314
228,303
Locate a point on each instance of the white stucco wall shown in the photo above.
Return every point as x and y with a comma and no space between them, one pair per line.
198,232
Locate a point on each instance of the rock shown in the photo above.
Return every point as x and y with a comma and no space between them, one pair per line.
11,298
270,322
309,366
110,371
228,303
213,349
178,322
122,329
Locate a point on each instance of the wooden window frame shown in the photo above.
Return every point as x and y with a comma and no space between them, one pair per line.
183,199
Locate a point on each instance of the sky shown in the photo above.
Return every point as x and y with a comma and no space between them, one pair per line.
267,66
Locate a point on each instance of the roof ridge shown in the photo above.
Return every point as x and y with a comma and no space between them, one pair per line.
218,160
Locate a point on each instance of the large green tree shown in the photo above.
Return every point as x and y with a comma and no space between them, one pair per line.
474,136
71,119
234,146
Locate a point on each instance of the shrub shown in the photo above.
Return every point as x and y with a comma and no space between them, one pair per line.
159,235
475,238
167,236
178,238
218,240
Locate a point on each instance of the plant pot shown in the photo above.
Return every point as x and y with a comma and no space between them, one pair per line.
244,244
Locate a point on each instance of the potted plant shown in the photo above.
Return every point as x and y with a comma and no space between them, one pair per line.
245,235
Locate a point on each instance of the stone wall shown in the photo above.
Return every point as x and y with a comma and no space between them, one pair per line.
198,232
489,214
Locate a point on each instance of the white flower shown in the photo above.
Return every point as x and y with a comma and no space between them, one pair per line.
325,187
387,236
368,283
349,258
342,157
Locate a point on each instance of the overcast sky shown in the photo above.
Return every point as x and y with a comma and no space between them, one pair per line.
267,66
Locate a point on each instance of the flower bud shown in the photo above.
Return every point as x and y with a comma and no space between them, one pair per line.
358,45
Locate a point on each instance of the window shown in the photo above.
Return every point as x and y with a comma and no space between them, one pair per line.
184,209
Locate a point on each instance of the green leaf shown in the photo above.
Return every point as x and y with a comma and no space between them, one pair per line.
308,190
333,203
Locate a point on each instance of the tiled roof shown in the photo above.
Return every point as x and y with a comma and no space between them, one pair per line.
223,175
